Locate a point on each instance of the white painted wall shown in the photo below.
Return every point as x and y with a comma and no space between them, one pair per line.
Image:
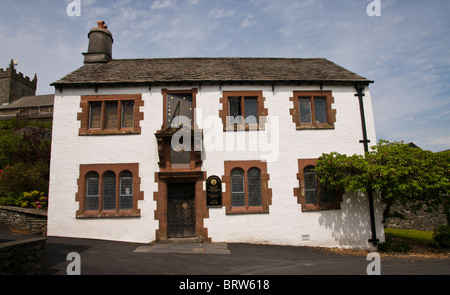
285,224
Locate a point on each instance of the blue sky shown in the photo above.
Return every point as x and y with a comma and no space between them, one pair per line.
405,50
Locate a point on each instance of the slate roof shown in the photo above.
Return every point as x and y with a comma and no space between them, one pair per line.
30,101
210,70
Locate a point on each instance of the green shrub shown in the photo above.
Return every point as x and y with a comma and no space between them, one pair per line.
394,246
10,199
441,236
32,199
24,178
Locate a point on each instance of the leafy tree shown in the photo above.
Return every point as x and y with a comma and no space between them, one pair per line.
401,174
24,161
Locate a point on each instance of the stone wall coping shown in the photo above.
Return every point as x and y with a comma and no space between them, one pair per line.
24,210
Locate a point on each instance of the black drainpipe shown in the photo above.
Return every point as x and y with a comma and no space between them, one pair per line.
359,93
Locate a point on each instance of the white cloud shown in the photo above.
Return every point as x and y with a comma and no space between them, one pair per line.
162,4
220,13
192,2
248,21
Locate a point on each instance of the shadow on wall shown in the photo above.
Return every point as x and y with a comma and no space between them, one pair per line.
350,226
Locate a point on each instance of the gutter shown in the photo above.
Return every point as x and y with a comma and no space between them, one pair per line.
59,85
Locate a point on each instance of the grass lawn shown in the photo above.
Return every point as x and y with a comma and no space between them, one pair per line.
419,236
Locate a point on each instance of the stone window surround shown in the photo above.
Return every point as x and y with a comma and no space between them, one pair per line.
224,113
295,111
101,169
266,192
299,192
83,116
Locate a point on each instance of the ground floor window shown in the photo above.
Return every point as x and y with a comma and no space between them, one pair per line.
108,190
247,189
311,194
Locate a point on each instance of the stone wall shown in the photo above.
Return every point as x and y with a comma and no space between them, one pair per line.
420,220
24,219
25,257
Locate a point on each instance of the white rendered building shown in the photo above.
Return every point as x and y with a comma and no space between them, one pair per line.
213,149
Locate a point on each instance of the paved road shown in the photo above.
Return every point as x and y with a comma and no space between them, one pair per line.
107,257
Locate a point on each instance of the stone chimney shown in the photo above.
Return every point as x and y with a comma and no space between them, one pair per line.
100,45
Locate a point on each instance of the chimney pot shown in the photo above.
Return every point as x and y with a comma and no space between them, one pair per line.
100,44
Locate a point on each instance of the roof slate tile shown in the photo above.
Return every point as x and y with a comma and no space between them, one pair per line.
229,69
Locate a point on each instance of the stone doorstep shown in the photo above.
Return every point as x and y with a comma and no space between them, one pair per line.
181,240
186,248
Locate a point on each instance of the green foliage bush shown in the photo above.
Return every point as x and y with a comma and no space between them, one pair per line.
33,199
441,236
402,174
393,246
24,166
24,178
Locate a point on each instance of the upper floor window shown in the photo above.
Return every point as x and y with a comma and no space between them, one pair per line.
110,114
313,110
242,110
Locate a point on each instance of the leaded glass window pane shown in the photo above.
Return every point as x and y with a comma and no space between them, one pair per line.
95,115
305,109
126,190
127,114
237,188
111,115
92,191
251,110
234,103
109,191
320,110
310,185
254,187
234,107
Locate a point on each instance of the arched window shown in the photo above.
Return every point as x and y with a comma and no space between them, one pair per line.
109,191
92,191
247,187
311,195
237,188
254,187
126,190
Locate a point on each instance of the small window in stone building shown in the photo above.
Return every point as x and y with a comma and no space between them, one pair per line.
110,114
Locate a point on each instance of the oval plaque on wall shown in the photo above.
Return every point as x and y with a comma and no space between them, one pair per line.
213,191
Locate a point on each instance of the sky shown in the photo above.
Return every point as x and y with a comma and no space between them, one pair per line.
402,45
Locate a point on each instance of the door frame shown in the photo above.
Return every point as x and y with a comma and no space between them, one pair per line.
161,212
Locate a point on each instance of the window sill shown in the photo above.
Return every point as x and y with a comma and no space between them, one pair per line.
108,132
108,214
322,207
247,210
247,127
314,126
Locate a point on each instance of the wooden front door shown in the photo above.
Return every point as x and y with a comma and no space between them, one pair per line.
181,210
